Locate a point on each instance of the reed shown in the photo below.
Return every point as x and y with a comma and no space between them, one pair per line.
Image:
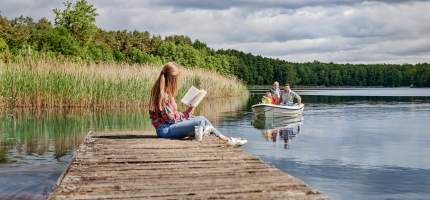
47,83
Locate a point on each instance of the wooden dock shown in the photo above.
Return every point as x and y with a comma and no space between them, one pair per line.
137,165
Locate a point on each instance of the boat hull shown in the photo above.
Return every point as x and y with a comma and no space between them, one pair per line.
271,111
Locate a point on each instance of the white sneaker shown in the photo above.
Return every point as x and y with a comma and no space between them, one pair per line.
198,133
241,141
236,142
208,129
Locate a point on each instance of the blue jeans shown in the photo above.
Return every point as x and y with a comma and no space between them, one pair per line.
183,128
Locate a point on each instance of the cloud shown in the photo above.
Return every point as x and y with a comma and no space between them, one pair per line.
36,9
391,31
262,4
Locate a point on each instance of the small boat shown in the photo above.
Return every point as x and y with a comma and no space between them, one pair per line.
271,110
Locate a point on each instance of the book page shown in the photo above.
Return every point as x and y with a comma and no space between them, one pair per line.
192,93
196,101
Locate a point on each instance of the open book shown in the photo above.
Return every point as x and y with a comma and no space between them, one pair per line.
193,96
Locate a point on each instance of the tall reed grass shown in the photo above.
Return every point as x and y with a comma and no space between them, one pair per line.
50,83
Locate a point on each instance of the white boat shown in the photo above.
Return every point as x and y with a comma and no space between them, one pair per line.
272,110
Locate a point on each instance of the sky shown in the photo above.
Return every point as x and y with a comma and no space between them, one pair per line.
340,31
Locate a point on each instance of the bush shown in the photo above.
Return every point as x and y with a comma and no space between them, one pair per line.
60,40
5,54
118,56
137,56
3,46
98,52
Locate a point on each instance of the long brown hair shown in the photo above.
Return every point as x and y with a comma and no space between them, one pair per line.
167,83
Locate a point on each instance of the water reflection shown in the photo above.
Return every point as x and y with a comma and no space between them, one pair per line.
36,132
36,145
281,129
349,147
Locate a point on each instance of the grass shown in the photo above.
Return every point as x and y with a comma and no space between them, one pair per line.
48,83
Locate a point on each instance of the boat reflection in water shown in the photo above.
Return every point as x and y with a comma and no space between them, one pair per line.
279,128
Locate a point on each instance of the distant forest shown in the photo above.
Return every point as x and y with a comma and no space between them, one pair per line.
74,35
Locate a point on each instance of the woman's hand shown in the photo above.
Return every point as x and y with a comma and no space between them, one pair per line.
190,108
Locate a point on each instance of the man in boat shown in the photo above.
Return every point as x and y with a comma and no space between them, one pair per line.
288,96
276,92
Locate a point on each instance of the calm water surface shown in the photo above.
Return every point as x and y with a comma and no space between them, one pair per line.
348,145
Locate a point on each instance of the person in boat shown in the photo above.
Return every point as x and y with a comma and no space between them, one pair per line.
268,98
288,96
170,123
276,92
271,134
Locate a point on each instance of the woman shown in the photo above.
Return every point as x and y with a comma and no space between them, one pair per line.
276,92
168,122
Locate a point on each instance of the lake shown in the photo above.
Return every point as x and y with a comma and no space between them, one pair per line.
366,143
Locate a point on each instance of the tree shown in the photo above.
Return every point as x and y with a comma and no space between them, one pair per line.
78,18
61,41
3,46
4,51
5,28
200,45
335,78
98,52
20,33
39,36
75,35
179,39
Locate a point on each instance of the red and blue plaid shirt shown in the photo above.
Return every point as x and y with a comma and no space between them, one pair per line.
168,114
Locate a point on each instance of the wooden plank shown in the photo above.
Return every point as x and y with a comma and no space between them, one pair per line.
137,165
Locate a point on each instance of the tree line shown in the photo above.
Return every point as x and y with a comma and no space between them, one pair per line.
74,35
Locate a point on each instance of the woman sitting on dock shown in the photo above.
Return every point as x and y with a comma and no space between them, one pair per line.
168,122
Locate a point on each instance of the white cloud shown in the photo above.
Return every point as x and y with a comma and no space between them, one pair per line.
298,30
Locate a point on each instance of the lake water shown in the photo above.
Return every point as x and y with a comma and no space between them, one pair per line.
350,143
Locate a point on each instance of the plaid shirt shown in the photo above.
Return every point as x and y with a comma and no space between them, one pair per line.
168,114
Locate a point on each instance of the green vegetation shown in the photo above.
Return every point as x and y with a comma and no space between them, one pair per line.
47,83
75,36
260,70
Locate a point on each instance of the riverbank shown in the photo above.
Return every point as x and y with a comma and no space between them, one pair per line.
46,83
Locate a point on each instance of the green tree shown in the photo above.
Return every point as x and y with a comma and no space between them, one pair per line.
79,18
4,51
98,52
335,78
200,45
291,75
61,41
39,36
3,46
179,39
75,35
